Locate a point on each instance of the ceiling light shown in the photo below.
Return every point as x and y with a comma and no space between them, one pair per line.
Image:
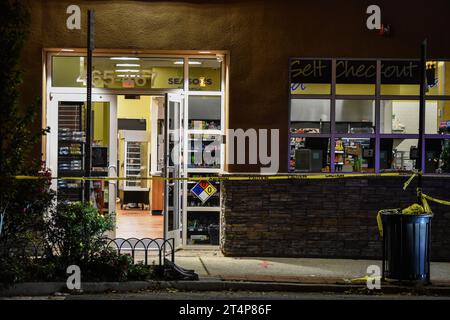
124,58
204,52
190,62
127,65
127,70
67,50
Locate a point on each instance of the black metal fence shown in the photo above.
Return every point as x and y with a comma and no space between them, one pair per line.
146,250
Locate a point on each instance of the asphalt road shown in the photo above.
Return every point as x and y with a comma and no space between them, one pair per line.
230,295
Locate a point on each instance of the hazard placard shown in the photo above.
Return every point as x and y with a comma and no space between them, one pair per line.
203,190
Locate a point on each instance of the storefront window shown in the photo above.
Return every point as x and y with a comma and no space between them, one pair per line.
438,78
400,77
204,112
204,151
398,154
310,76
310,154
310,116
193,202
437,117
355,77
204,74
399,116
437,156
373,104
354,155
119,72
355,116
203,228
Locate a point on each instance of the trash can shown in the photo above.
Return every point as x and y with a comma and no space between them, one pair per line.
406,246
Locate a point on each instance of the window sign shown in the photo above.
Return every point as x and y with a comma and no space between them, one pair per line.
310,76
135,72
400,72
355,71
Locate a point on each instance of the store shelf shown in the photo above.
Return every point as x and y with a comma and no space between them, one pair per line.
203,170
204,209
204,131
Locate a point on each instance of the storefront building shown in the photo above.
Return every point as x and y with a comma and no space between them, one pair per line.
344,99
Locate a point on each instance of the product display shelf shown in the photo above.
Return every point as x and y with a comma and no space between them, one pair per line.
71,150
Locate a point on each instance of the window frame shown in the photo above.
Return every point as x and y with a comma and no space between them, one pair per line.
377,98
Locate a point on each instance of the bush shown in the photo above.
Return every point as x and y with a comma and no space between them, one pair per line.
76,231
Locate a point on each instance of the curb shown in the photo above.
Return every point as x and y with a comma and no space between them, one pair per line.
57,288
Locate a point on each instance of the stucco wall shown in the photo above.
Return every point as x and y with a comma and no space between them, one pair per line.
260,35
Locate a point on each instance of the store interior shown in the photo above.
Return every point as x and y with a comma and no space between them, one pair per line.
357,117
139,203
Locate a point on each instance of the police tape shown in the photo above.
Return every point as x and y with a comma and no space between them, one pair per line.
415,208
220,177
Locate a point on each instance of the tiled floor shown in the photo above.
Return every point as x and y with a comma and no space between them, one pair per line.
138,224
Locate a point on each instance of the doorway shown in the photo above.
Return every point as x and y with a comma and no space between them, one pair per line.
140,154
133,145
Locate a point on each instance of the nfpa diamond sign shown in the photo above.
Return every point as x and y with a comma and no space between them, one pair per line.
203,190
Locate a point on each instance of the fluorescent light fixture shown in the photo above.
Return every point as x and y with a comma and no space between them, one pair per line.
128,65
67,50
127,70
126,76
124,58
204,52
190,62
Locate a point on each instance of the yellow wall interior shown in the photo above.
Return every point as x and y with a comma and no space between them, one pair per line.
133,109
101,123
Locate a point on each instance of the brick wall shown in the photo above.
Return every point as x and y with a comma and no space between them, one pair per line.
322,218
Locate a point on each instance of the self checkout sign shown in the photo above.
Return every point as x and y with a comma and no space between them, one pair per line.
203,190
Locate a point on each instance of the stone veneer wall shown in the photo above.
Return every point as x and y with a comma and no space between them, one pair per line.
322,218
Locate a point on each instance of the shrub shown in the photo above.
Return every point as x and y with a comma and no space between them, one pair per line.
76,230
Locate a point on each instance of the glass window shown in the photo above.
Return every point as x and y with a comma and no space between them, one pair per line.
354,155
203,228
355,116
310,116
398,154
204,151
194,202
309,154
356,77
437,156
400,77
438,78
310,76
118,72
437,117
204,112
399,116
204,74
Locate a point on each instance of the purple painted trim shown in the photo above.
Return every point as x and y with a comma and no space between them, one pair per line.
437,136
398,136
356,136
310,135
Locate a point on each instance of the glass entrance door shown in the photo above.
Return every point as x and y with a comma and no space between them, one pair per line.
66,148
173,167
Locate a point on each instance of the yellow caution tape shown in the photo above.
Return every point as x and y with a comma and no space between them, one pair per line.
220,178
415,174
364,279
414,208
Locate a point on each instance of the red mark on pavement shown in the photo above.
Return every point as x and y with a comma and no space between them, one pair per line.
264,264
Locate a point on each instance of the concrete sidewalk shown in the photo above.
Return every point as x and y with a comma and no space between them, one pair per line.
213,265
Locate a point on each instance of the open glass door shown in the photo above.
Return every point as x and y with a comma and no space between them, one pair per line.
173,167
66,148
